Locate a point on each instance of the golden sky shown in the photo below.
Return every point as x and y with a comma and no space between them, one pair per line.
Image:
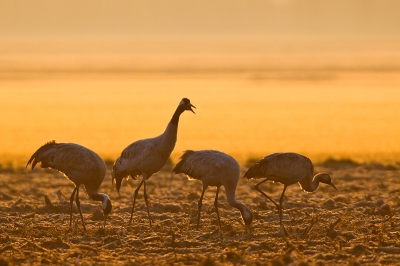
94,18
81,71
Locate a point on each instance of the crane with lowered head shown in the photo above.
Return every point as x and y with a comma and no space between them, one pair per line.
81,166
287,168
214,168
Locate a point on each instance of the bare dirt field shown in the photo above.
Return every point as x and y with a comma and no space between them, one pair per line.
357,225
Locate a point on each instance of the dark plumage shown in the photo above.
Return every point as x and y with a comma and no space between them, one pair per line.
146,157
80,165
214,168
287,168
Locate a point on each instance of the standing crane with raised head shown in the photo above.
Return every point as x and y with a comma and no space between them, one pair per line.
214,168
146,157
81,166
287,168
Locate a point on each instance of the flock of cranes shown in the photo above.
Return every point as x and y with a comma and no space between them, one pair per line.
146,157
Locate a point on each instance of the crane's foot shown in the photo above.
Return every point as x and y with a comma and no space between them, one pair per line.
249,230
101,231
282,231
220,227
151,221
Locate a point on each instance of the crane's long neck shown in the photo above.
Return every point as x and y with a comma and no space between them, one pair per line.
177,114
234,203
244,211
310,184
169,136
99,197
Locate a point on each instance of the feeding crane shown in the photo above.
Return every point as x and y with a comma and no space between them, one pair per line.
214,168
81,166
287,168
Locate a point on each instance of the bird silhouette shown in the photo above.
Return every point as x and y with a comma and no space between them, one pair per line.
214,168
81,166
287,168
146,157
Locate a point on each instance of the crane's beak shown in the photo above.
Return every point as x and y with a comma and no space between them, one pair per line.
107,209
332,185
190,108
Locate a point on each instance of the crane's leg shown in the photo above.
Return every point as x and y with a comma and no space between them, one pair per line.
199,206
282,231
265,195
216,207
134,199
145,199
71,201
78,204
105,220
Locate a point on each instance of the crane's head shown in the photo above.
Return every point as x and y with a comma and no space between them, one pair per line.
326,179
186,105
106,208
247,217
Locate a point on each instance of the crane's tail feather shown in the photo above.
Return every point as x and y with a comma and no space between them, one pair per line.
255,170
113,177
118,173
178,168
32,160
39,155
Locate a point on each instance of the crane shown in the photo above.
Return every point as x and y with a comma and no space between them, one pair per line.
79,165
287,168
214,168
147,156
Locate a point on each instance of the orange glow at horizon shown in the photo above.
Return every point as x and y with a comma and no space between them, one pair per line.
320,78
240,117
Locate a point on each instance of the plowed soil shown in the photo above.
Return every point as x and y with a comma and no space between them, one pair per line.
357,225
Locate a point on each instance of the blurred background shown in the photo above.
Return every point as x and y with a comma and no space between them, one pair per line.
316,77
